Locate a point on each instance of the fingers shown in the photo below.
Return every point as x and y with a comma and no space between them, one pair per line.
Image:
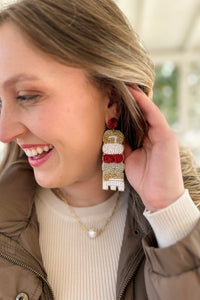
151,112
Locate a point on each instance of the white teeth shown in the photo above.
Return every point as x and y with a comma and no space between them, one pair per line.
46,148
34,152
38,150
28,152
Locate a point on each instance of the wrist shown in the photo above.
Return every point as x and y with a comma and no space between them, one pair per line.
173,223
164,201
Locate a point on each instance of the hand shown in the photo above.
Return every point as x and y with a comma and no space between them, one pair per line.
154,170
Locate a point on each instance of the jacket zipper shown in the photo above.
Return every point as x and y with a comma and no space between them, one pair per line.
138,259
17,262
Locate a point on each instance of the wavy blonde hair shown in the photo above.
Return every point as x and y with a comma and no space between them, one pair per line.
94,35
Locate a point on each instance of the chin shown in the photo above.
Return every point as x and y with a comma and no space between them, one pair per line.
45,180
50,182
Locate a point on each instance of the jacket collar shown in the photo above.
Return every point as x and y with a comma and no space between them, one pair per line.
18,221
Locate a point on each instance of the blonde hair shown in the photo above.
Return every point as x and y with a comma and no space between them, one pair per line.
93,35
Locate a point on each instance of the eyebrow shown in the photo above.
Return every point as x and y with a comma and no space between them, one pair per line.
19,77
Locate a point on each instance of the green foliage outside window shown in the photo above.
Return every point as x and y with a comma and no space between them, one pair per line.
166,91
193,80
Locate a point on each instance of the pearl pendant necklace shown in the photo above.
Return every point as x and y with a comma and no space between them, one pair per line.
92,233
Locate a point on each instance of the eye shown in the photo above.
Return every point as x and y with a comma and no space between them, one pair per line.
27,97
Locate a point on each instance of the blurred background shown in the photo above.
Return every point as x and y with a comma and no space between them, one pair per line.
170,31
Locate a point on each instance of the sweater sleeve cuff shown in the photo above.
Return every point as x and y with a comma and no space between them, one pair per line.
174,222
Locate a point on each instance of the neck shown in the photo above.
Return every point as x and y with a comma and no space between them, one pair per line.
86,193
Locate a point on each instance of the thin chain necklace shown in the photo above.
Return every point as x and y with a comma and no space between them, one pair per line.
92,233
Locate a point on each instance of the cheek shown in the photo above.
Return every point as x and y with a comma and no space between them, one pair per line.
79,124
41,122
81,119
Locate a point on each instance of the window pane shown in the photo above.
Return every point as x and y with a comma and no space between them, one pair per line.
166,90
193,80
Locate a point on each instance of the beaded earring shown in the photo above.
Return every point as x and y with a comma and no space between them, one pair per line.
113,158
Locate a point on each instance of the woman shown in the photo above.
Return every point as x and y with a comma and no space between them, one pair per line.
68,71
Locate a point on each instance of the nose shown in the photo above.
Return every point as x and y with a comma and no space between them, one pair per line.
11,126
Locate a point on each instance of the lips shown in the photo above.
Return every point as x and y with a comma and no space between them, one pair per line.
37,154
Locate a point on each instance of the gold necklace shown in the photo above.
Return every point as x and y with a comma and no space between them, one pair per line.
92,233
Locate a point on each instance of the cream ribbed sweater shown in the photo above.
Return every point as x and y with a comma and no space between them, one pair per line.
80,268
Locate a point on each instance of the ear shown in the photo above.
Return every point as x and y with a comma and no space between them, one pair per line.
113,109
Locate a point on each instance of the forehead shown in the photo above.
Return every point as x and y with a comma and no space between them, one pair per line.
19,59
13,42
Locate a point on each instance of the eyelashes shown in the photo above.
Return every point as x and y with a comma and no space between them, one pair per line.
24,99
27,97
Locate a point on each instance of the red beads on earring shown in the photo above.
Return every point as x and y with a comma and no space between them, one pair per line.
113,158
112,123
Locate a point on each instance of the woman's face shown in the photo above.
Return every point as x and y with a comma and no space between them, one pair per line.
52,111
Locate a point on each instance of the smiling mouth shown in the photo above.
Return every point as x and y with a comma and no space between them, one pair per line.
38,152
